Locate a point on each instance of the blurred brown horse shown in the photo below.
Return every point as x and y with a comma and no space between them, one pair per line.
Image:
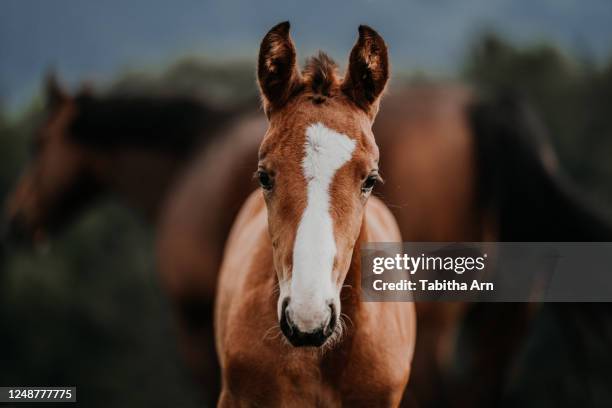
427,158
88,147
456,166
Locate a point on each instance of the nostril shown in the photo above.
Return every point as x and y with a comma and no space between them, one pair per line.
285,323
329,329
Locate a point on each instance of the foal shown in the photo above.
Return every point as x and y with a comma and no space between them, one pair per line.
318,163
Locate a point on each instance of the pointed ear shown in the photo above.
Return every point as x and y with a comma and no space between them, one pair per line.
277,71
54,93
368,70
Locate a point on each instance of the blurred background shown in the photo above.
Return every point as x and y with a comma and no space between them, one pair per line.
87,310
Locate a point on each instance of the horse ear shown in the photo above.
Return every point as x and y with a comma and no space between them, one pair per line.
55,93
368,70
277,71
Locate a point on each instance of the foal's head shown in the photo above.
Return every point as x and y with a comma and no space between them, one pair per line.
318,164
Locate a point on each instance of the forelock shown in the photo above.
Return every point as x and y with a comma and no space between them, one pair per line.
320,77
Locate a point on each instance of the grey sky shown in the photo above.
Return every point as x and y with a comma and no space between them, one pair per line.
96,39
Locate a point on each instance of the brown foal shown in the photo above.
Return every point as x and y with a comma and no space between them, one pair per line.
291,329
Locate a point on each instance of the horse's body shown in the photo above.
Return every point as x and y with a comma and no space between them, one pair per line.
523,192
430,186
429,167
262,369
317,165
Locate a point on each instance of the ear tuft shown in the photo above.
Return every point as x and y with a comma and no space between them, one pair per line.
277,71
368,70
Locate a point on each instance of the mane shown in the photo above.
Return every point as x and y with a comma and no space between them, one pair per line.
532,200
320,77
171,125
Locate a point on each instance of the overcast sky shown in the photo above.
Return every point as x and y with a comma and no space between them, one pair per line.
97,39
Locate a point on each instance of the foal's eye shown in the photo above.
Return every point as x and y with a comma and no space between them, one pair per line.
265,181
369,183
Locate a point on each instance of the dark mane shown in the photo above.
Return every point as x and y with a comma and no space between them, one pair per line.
320,76
531,200
172,125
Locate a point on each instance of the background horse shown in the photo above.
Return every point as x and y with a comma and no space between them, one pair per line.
317,166
89,147
528,198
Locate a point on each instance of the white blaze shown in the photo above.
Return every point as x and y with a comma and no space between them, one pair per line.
326,151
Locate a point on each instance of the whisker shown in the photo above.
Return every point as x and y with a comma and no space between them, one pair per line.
339,332
268,334
344,316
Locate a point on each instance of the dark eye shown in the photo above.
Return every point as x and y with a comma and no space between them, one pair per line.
265,181
369,183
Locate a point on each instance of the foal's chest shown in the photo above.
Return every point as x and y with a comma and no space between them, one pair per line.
304,378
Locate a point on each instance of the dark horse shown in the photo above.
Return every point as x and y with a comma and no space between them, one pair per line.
512,354
528,198
88,146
